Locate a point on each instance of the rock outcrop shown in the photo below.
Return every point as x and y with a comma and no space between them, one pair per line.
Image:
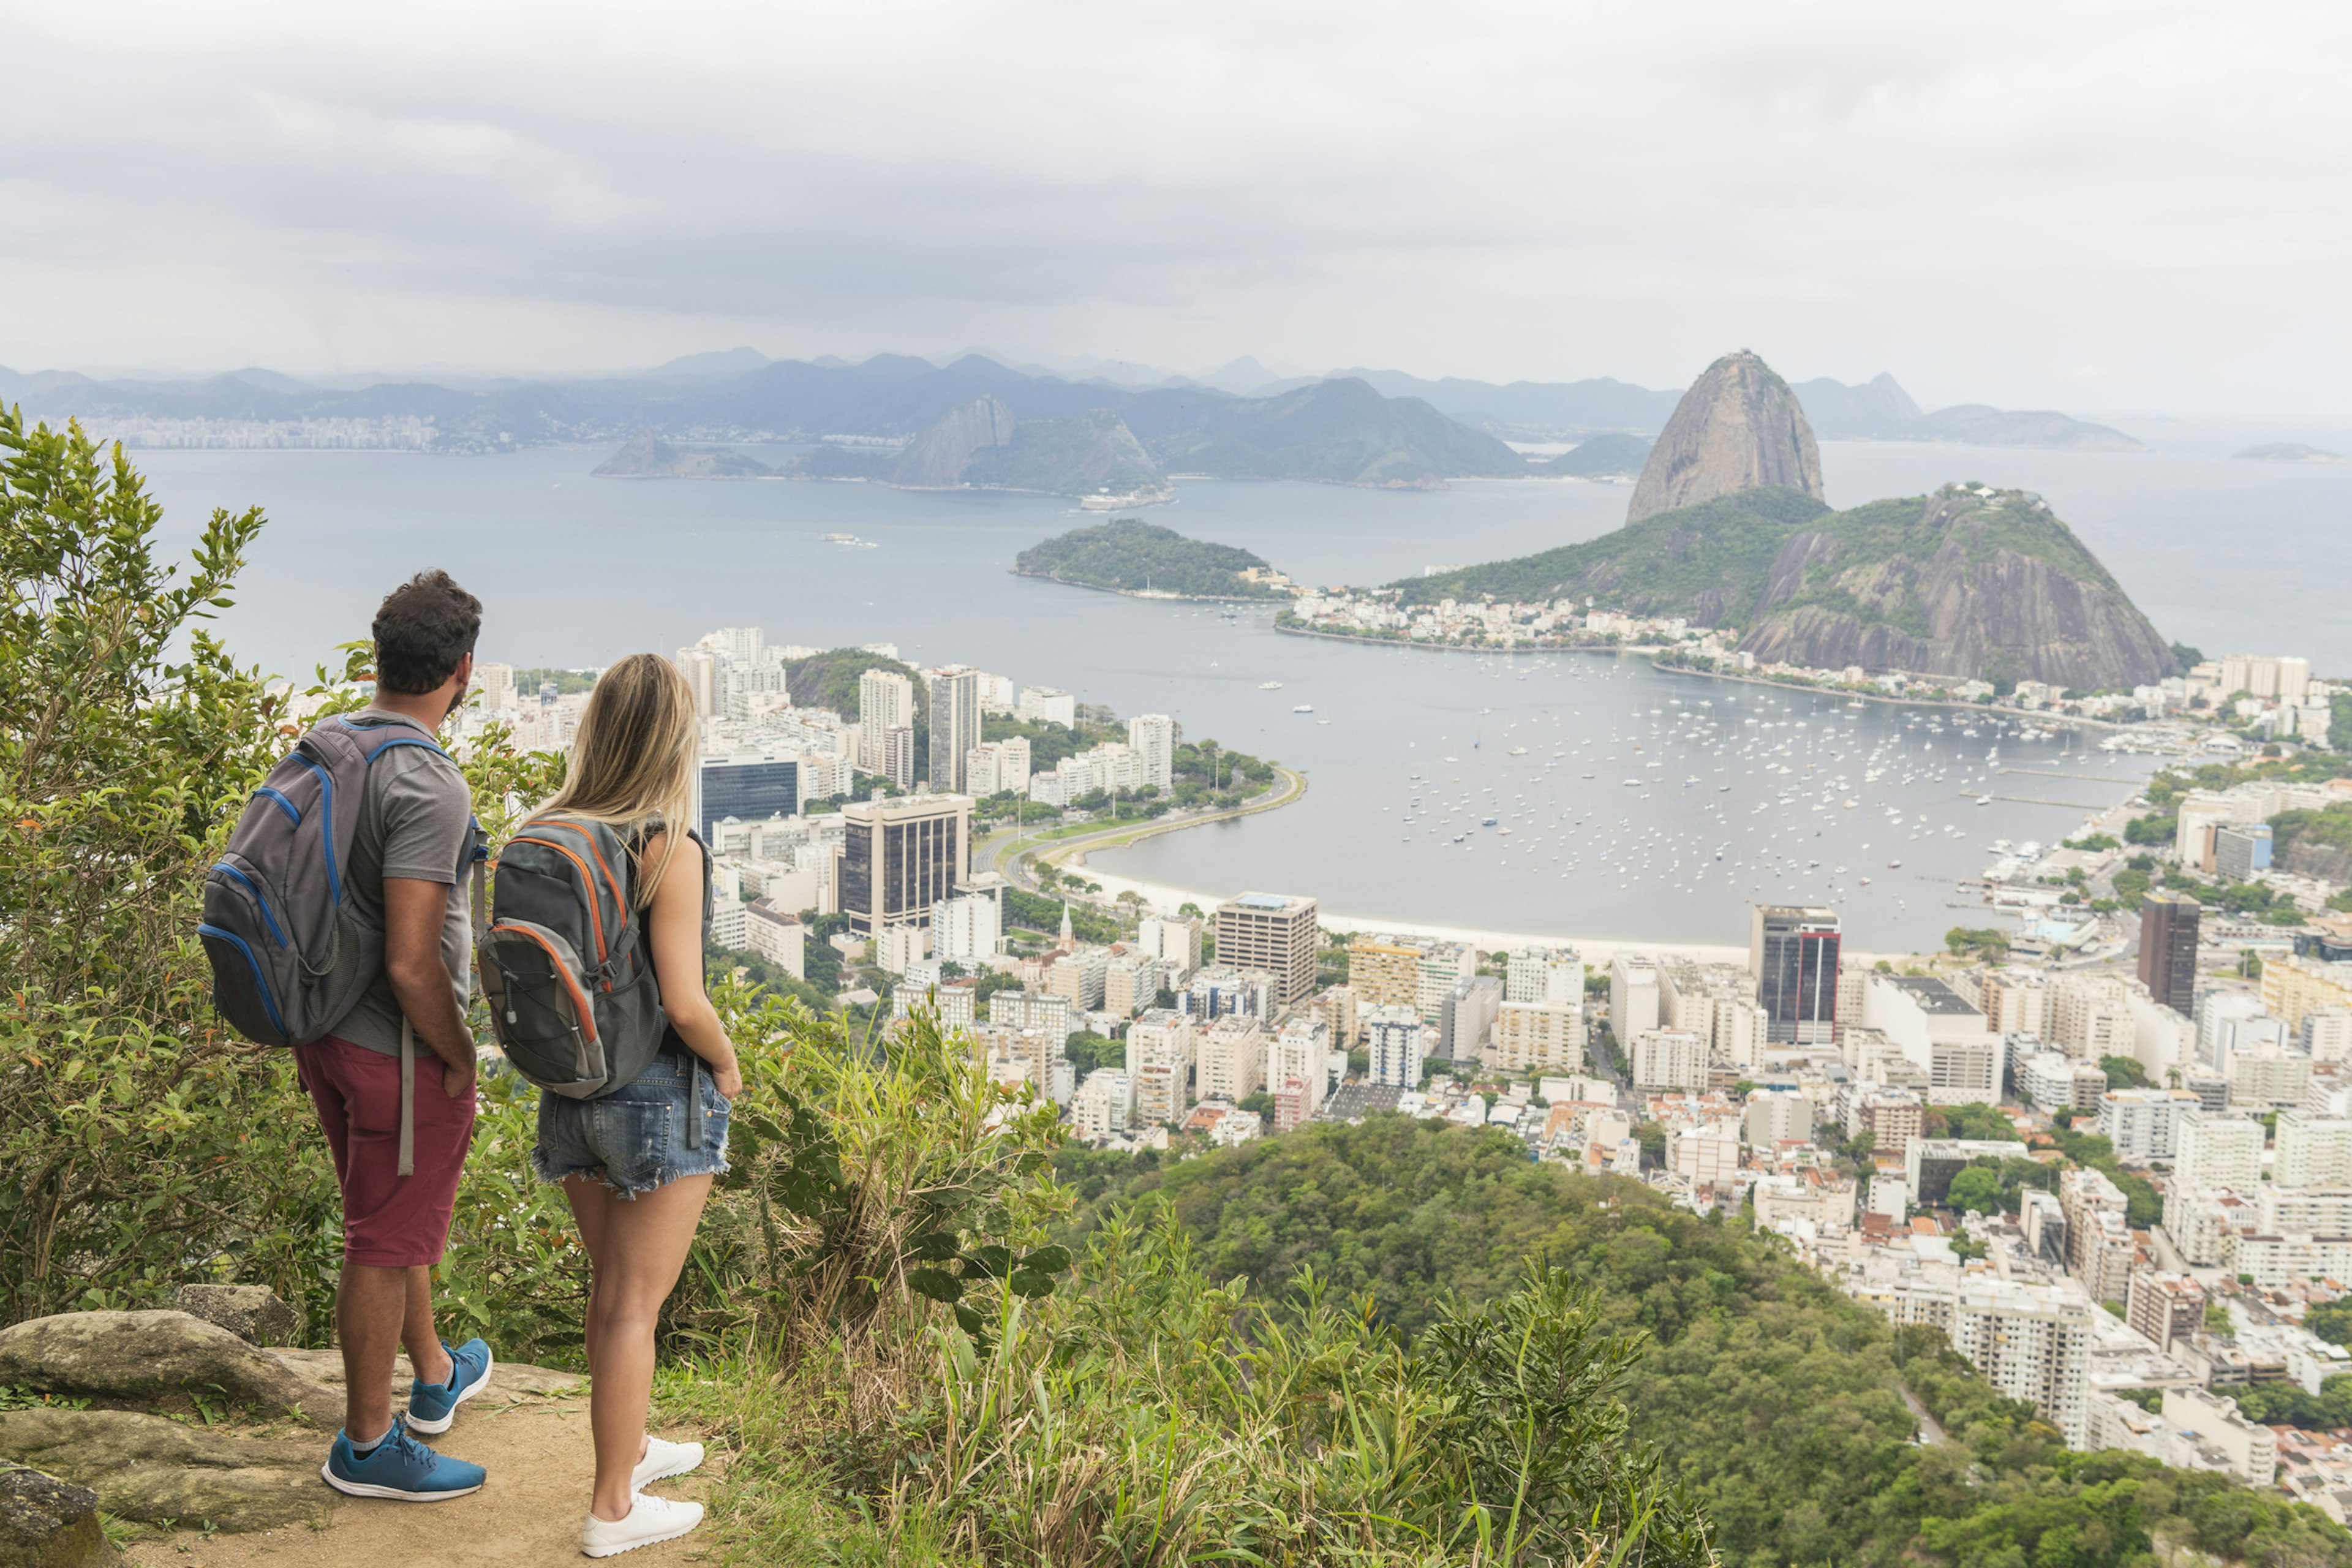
151,1468
938,457
48,1523
155,1355
1738,428
254,1313
1969,581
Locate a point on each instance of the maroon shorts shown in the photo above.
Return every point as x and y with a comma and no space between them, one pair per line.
390,1221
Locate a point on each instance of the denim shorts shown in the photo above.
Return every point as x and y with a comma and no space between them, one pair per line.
635,1139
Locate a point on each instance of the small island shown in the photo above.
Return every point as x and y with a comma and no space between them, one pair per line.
2290,452
1126,555
648,457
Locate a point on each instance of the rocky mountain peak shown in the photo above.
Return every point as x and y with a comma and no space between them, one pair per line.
1738,428
939,457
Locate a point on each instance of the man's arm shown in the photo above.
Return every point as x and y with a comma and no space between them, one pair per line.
413,913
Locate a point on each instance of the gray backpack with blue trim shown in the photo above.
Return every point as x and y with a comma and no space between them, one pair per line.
291,951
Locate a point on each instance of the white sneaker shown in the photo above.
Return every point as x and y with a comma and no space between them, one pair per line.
651,1518
664,1460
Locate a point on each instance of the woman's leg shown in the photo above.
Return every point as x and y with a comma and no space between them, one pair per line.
592,1206
643,1247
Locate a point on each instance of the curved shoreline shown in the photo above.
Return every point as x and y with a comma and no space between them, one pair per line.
1146,595
1654,651
1009,858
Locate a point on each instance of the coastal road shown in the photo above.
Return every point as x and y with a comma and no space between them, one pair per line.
1005,852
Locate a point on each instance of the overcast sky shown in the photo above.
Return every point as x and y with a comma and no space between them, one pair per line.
2101,207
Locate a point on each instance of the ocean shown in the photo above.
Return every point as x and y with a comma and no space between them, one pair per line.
575,571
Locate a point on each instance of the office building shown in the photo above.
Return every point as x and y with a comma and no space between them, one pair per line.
2168,948
1174,942
901,858
954,694
750,788
1393,1036
1792,952
885,701
1634,1000
1153,738
1274,933
1667,1059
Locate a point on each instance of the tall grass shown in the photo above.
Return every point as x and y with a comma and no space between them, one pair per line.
1136,1412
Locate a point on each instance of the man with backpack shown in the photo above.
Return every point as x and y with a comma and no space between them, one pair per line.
408,871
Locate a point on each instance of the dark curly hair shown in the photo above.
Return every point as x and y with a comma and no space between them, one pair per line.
422,628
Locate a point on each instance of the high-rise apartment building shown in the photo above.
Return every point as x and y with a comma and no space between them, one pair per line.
1544,974
955,724
885,701
897,762
1394,1035
1232,1058
496,682
2016,1001
1793,952
1385,974
1174,941
1441,966
900,858
1531,1037
2313,1150
1634,1000
1274,933
1667,1059
701,668
1153,736
2168,948
966,929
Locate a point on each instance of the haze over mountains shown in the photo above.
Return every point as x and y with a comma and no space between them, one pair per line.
1243,419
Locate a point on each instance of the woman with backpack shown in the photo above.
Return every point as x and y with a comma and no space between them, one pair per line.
636,1159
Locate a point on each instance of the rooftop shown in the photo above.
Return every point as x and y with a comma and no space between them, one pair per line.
1932,995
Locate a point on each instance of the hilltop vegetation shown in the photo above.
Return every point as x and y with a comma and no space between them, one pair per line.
1775,1400
1129,555
1960,582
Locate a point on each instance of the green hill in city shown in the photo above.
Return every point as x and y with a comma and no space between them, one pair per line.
1128,555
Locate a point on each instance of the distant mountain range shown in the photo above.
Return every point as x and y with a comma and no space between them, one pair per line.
1358,426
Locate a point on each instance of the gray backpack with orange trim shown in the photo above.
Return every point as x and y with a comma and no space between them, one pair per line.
564,962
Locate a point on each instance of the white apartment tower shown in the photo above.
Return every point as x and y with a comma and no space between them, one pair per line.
1153,737
885,701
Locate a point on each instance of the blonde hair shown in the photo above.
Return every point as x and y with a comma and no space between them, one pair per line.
633,760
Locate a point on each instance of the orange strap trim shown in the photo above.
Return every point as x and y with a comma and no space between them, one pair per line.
595,920
555,963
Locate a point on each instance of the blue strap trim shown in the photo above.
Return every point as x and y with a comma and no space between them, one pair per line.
268,919
382,747
284,804
260,979
327,824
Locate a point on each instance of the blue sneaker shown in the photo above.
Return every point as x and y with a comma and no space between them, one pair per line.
432,1406
400,1467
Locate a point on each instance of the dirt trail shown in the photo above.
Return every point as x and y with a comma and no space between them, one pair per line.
536,1448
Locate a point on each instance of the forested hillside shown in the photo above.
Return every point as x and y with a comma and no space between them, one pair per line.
1777,1398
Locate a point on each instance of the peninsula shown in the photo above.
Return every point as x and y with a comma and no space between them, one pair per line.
1126,555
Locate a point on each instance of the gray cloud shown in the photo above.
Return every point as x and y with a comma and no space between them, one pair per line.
2047,204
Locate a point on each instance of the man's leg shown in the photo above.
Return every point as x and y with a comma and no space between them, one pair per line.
370,1306
417,1334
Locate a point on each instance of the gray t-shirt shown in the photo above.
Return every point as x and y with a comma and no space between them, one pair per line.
416,821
